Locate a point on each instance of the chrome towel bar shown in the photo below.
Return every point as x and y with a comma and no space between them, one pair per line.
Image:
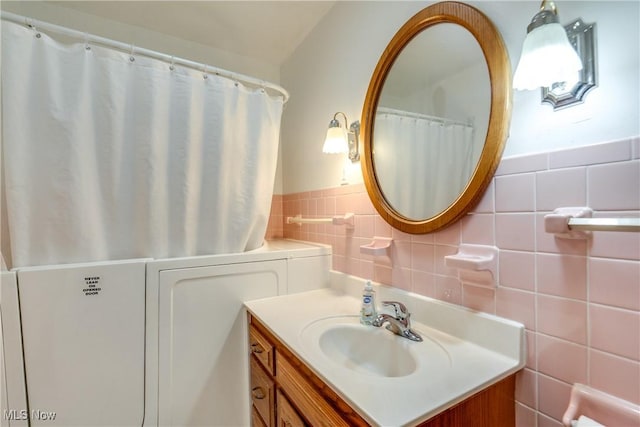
577,223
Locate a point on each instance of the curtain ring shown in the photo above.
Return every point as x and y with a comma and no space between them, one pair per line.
31,25
86,42
204,72
171,66
131,57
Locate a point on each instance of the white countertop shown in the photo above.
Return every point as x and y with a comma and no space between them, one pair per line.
482,349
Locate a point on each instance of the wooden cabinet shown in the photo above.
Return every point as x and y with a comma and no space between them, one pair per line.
261,349
262,393
256,419
287,416
286,393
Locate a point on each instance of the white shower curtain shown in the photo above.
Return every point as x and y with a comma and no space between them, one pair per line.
440,155
108,156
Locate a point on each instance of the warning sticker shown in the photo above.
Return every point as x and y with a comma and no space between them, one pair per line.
92,286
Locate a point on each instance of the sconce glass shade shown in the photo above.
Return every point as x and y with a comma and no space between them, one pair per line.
336,140
547,55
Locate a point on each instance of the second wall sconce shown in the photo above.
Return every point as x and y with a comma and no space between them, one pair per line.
341,140
560,60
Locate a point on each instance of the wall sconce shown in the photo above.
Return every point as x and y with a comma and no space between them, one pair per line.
560,60
339,140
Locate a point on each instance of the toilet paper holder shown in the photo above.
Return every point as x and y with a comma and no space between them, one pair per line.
601,407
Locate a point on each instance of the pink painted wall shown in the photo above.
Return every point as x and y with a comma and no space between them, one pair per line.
579,300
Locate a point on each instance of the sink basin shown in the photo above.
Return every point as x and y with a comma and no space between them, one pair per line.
369,350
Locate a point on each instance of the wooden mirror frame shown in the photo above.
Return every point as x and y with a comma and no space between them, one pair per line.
496,56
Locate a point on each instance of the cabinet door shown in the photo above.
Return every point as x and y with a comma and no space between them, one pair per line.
307,399
287,416
256,419
262,393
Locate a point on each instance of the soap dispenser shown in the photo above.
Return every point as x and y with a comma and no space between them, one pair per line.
368,310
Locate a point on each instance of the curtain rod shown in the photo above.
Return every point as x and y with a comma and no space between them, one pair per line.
90,38
387,110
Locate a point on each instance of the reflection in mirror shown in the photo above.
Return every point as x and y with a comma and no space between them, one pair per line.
431,121
436,117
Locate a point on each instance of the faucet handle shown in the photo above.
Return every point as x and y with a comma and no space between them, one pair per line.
399,308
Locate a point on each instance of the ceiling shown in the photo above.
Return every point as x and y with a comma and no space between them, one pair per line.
265,30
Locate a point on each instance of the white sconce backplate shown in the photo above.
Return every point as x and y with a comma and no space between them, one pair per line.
565,94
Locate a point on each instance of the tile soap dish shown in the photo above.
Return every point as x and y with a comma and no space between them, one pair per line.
378,247
476,264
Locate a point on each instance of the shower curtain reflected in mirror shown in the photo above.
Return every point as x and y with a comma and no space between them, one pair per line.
422,163
108,156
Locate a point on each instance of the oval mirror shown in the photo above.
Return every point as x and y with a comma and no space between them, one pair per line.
436,117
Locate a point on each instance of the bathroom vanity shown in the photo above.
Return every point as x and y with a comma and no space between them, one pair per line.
312,363
281,396
293,395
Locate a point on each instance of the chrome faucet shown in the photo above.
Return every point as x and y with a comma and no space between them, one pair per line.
398,324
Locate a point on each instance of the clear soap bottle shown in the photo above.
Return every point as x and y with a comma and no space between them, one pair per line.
368,310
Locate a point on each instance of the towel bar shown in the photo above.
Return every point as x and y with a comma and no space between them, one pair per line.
347,220
577,223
